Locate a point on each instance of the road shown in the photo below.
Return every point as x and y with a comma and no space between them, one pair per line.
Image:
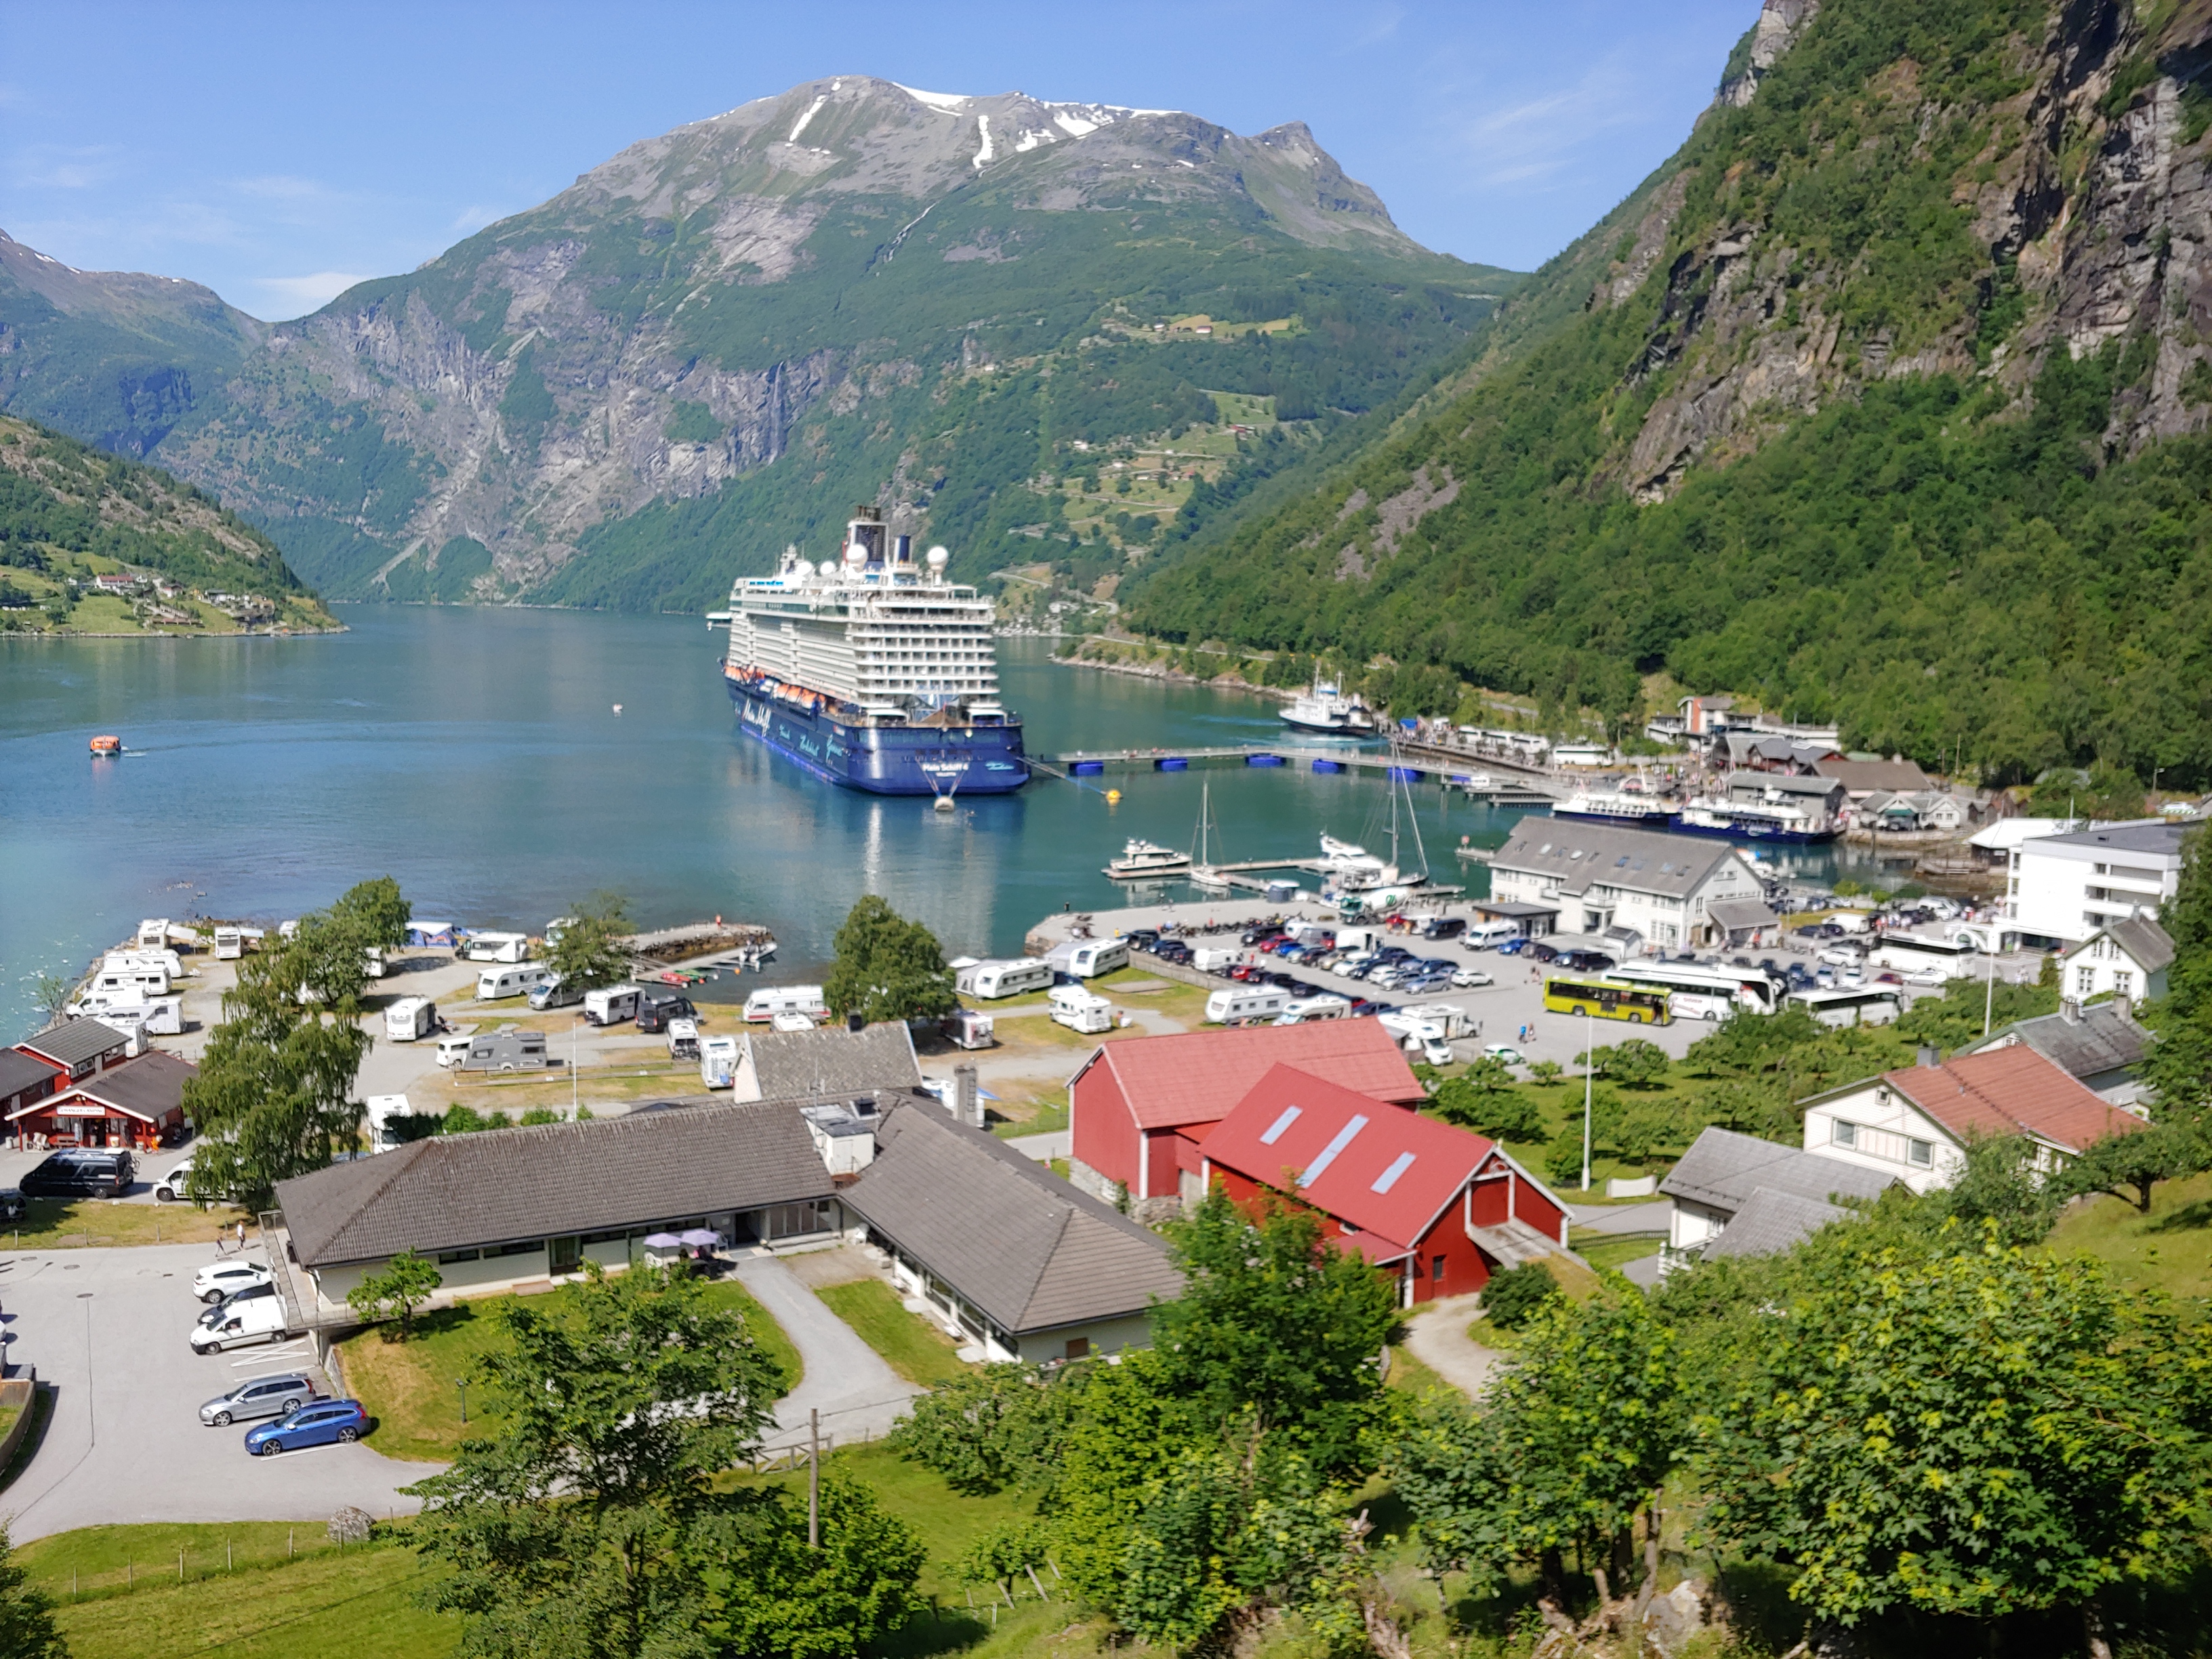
846,1380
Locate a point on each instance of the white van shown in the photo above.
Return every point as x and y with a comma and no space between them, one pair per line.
765,1004
234,1325
496,947
610,1006
1087,958
550,993
1246,1002
1488,935
229,945
409,1019
495,984
990,980
1080,1010
718,1061
1301,1011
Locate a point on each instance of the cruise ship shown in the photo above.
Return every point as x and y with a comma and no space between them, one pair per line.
872,671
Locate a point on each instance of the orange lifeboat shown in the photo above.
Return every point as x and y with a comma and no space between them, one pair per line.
108,744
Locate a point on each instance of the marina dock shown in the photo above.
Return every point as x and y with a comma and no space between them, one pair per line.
1525,788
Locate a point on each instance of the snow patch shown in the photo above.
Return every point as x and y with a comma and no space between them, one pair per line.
945,103
983,155
1032,136
1073,126
812,110
1193,166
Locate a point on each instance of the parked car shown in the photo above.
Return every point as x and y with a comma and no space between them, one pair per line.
1923,976
1504,1051
1467,979
1542,951
1444,926
325,1422
261,1320
237,1298
259,1396
1514,947
82,1172
1840,955
655,1008
172,1186
219,1278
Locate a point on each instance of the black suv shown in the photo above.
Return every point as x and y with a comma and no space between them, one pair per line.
656,1008
85,1173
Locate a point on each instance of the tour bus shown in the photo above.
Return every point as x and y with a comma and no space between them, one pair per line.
1246,1002
765,1004
1856,1005
1605,999
495,984
1956,957
990,980
1708,990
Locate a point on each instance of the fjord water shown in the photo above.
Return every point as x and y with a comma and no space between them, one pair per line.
476,755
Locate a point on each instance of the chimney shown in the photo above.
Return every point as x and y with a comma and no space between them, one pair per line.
2126,1004
967,1104
1930,1055
855,1022
2069,1010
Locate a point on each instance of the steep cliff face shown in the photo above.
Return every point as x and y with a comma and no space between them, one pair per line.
799,295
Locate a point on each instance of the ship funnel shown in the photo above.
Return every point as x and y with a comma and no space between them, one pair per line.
902,549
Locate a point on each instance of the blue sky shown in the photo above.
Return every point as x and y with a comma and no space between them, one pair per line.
278,153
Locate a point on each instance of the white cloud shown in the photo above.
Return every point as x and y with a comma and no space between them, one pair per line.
295,297
282,187
1545,135
55,167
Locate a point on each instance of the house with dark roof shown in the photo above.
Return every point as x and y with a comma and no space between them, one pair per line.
1600,878
140,1103
1437,1207
1139,1106
827,1060
1862,778
1009,1257
78,1047
2126,959
2100,1047
25,1080
1725,1175
1824,798
510,1209
1917,1123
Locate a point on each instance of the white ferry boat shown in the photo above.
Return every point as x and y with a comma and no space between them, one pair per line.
872,671
1327,709
1140,859
1613,807
1775,822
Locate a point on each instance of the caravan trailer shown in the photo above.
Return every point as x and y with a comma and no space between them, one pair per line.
495,984
765,1004
1302,1010
1080,1010
990,980
1087,958
153,934
1244,1004
965,1028
229,944
409,1019
610,1006
496,947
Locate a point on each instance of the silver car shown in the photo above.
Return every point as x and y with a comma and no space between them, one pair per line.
259,1396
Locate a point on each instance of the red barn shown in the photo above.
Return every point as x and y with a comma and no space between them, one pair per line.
1440,1207
1140,1107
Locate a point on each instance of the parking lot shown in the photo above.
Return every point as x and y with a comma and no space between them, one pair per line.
108,1328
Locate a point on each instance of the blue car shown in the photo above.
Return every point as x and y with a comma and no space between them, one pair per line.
326,1422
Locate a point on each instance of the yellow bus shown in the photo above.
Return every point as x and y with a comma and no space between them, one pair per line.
1606,1001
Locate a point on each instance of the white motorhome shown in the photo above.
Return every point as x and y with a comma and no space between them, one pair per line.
496,947
153,934
1241,1004
1087,958
718,1061
409,1019
229,944
965,1028
157,1016
1302,1010
382,1109
167,960
1449,1020
990,980
765,1004
683,1039
495,984
1421,1037
611,1005
372,962
1080,1010
145,981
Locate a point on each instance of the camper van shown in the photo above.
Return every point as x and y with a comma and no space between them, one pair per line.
1080,1010
765,1004
610,1006
155,1016
495,984
718,1061
229,944
1302,1010
1087,958
549,993
1449,1021
496,947
382,1109
990,980
1245,1004
409,1019
1489,935
683,1039
167,960
145,981
372,962
153,934
1423,1039
964,1028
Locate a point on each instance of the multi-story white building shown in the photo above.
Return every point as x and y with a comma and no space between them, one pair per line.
2063,889
1598,877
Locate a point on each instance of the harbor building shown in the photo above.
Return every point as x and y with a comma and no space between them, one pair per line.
1661,888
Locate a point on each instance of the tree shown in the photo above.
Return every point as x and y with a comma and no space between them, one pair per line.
1514,1294
1976,1432
376,912
50,994
587,953
1483,1098
405,1284
2127,1166
887,967
1635,1063
2179,1068
768,1592
2001,1185
27,1617
1546,1072
991,1428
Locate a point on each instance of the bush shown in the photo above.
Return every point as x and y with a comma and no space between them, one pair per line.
1514,1295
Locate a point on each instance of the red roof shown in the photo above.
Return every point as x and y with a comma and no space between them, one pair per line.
1194,1077
2002,1091
1295,1132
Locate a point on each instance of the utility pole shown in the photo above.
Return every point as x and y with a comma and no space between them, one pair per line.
573,1024
1590,1070
1989,990
814,1479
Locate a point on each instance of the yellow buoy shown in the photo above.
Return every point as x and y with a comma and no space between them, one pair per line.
1113,794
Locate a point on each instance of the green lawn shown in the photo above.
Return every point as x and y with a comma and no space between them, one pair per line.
66,1224
1611,1254
915,1349
2170,1248
409,1387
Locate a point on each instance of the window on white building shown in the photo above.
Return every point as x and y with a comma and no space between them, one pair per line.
1843,1134
2122,982
2085,981
1921,1154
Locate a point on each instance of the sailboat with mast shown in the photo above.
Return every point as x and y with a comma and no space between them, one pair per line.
1203,872
1355,880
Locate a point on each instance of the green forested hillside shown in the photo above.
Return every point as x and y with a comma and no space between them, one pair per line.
1873,409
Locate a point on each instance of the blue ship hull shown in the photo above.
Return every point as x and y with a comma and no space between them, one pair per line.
1760,834
886,760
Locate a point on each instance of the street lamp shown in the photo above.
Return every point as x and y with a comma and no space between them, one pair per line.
462,1383
1590,1070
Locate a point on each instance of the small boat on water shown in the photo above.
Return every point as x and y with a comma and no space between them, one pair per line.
1202,872
1140,859
107,743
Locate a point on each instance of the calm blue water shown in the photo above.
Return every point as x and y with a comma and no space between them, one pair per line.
475,755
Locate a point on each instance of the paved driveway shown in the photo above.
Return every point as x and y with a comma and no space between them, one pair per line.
108,1328
846,1380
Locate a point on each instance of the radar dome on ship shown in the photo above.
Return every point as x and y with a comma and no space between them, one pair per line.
939,558
855,555
828,567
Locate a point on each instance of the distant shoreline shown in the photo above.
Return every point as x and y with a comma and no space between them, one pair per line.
1155,671
56,635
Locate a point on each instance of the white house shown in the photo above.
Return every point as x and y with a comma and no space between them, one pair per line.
2123,959
1598,877
1916,1124
2064,888
1726,1178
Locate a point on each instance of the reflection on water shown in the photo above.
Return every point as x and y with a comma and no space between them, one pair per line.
476,755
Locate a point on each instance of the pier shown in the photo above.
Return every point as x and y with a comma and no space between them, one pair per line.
1527,788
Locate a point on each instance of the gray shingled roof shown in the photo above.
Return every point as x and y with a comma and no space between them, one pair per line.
1638,859
2143,836
832,1061
503,1186
1742,913
2102,1039
74,1042
152,1085
2144,940
1772,1222
1011,1238
1722,1170
1784,783
19,1072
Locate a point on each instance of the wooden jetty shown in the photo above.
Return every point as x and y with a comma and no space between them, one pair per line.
1525,788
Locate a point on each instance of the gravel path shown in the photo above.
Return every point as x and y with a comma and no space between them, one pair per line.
846,1380
1436,1336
